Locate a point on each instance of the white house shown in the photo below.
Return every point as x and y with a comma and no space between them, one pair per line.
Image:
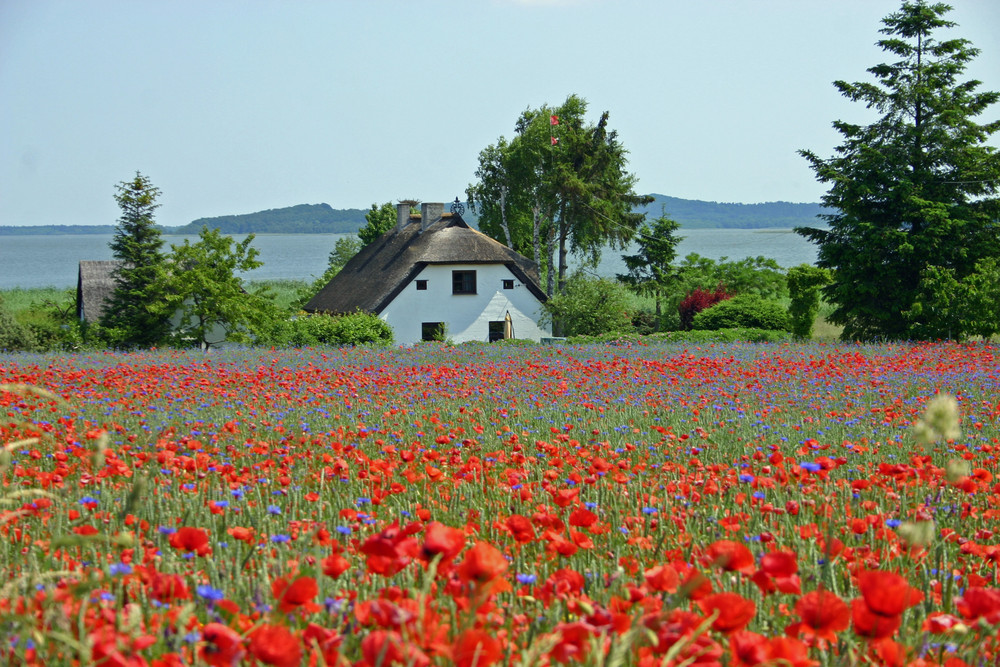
434,273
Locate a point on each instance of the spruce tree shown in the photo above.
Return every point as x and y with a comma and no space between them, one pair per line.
915,191
134,314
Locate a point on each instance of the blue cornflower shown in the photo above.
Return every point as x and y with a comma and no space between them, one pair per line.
208,593
273,509
746,478
810,466
526,578
120,568
281,539
893,523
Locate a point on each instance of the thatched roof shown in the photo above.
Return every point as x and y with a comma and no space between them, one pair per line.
94,286
377,274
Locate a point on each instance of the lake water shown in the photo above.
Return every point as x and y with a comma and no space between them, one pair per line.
43,261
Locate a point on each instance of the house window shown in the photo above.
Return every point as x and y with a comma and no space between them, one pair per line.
421,284
432,331
496,331
508,284
463,282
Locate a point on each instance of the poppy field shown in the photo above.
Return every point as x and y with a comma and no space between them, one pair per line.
737,504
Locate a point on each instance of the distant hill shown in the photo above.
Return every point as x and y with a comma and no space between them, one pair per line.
301,219
695,214
322,219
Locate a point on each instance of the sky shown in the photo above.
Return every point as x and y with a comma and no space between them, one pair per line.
234,107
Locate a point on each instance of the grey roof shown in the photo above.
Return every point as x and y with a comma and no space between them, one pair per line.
377,274
94,286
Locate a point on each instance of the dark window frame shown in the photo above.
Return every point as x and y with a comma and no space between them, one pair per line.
432,331
508,283
421,284
463,282
495,330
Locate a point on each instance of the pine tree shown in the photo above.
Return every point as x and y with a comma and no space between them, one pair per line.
915,191
133,316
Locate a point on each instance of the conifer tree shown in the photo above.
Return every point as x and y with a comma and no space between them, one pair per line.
914,192
134,316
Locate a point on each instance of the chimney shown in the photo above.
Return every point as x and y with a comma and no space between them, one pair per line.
430,212
402,215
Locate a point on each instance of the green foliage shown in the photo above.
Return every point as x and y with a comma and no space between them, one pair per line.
14,336
357,328
747,311
914,192
360,328
804,283
131,311
590,306
560,182
948,308
205,296
751,275
378,221
650,271
343,251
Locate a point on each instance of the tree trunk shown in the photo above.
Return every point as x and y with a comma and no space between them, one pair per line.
503,216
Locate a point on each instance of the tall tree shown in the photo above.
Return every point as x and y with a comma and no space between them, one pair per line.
378,221
650,271
560,182
131,314
915,191
205,293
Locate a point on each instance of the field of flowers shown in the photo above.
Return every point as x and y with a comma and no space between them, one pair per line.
482,505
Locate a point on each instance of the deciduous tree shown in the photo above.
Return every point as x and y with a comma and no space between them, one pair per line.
562,182
205,294
915,191
378,221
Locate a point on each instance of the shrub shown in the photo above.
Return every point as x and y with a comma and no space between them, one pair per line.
14,337
804,283
590,306
698,300
743,311
360,328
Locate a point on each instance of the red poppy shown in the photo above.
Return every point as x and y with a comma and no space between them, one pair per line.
779,563
520,528
734,611
978,602
275,645
335,565
663,578
749,648
482,563
223,645
887,593
871,625
299,593
382,648
191,539
823,614
730,555
442,540
168,587
476,648
790,651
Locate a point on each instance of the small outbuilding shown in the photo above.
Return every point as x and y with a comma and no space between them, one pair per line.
433,276
95,285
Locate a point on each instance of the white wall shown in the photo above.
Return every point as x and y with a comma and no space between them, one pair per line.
466,316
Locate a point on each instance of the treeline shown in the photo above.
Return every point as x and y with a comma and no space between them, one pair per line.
695,214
